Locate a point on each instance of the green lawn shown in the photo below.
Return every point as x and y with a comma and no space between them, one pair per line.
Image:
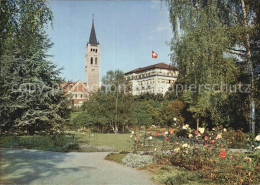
121,142
39,142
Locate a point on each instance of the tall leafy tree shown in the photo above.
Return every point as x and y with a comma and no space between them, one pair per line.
30,99
110,110
209,36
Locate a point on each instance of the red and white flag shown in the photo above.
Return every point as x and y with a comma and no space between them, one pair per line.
154,55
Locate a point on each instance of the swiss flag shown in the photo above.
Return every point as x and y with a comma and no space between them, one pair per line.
154,55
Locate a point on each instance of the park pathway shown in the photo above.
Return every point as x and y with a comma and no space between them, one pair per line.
20,166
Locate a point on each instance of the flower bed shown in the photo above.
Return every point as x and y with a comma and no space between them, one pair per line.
204,151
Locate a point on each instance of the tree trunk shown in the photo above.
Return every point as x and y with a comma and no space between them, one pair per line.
250,68
198,121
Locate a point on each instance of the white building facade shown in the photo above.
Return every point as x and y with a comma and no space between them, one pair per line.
154,79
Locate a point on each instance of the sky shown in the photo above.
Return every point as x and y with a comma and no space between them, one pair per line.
127,31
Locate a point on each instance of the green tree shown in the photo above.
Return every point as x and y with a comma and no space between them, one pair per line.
209,35
29,96
173,110
110,109
113,81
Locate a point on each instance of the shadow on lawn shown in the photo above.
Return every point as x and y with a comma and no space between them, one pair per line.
18,166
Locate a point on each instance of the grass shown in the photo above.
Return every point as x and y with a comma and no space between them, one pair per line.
116,157
55,143
121,142
60,143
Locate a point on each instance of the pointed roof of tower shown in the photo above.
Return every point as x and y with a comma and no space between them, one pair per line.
93,39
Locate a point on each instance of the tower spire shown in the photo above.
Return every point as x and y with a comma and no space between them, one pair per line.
93,38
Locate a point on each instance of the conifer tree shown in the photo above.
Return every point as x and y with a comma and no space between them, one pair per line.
30,96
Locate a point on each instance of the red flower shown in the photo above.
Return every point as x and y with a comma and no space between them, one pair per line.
163,133
222,155
156,134
217,127
171,132
149,133
139,137
206,138
232,156
212,142
166,138
196,132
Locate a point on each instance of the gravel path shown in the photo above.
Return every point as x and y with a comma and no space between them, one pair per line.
20,166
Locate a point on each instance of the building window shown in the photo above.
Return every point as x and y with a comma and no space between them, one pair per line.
91,61
81,96
76,96
96,50
96,61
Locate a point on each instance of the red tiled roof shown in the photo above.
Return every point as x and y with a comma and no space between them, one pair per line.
67,86
159,65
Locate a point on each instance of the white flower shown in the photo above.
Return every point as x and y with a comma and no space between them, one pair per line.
131,135
132,132
185,127
257,138
174,119
257,148
224,129
155,149
185,145
219,136
176,150
150,138
201,130
166,132
190,135
213,129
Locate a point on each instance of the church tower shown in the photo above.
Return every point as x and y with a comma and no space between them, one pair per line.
92,57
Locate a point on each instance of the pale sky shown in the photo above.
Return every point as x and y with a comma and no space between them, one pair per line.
127,31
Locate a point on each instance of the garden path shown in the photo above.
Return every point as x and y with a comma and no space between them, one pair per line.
21,166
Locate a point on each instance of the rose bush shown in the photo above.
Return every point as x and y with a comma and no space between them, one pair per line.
205,151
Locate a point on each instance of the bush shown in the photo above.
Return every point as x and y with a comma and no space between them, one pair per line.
72,147
116,157
219,165
170,175
137,161
92,148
